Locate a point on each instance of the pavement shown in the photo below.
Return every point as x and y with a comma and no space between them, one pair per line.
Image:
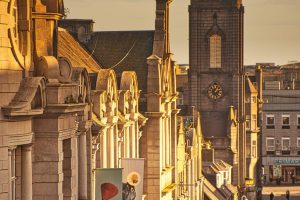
280,191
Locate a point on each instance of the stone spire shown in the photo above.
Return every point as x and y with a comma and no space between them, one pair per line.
161,45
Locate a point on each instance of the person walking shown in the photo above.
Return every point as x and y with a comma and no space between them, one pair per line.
287,195
271,196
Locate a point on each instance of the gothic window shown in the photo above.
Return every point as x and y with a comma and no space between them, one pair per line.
215,51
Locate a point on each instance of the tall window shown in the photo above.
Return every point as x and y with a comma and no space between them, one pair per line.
253,149
254,122
270,143
298,121
215,51
285,143
248,122
298,142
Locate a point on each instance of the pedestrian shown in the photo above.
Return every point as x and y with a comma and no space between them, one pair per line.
287,195
271,196
293,179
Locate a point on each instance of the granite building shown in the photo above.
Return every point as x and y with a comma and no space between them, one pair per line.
217,79
56,108
280,122
147,53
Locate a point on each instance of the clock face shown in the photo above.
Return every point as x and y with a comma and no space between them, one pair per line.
215,91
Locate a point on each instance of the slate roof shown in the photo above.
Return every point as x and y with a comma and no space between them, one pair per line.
70,48
123,51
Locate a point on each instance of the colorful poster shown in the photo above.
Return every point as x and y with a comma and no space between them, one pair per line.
108,184
276,171
133,176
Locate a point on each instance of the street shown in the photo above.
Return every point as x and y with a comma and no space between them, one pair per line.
279,192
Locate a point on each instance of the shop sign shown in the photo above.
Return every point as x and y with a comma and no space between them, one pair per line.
286,161
249,182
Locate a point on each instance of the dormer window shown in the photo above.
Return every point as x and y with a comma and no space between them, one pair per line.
215,51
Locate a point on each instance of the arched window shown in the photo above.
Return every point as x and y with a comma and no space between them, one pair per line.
215,51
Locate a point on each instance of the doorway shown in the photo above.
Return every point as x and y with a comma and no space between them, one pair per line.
287,173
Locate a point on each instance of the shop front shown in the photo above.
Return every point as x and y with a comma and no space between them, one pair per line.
281,170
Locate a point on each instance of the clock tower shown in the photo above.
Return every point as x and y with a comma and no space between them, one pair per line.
216,77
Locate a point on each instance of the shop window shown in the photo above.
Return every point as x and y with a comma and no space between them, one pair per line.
215,51
285,121
270,144
248,123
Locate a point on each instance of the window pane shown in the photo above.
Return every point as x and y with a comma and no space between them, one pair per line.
286,120
270,120
270,142
215,51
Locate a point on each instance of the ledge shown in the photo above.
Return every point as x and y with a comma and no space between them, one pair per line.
65,108
169,188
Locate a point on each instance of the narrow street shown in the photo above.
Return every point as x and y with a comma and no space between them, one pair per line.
279,192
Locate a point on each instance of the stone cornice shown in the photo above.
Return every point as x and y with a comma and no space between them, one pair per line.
53,16
65,108
154,114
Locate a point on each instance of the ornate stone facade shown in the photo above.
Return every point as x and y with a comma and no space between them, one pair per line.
61,114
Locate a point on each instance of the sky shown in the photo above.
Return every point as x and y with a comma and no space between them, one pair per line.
272,27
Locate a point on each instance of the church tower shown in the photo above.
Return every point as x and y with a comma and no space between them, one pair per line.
216,77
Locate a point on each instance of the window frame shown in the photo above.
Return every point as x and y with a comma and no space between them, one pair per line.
267,147
288,139
270,115
285,126
248,122
298,142
270,126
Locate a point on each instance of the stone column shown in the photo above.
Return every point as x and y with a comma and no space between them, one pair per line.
133,141
26,172
95,148
82,165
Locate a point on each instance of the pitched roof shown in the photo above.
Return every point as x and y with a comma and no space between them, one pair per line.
250,88
123,51
70,48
